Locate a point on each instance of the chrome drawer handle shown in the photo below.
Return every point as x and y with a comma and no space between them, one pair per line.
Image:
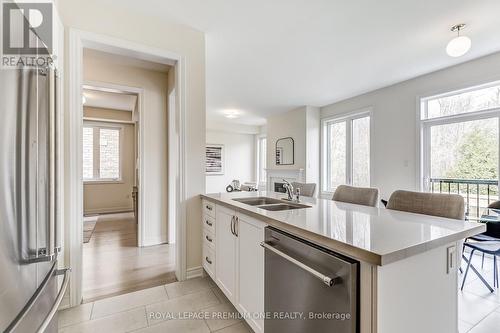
209,223
209,239
208,260
236,225
326,279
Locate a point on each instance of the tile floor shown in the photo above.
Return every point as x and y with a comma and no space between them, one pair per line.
148,310
151,310
478,309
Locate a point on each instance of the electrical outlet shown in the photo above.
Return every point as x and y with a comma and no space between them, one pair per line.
451,259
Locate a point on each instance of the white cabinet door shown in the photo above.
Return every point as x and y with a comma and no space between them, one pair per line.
225,252
251,270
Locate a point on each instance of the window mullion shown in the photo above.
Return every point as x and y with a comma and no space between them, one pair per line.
426,156
120,152
328,158
498,160
97,153
349,151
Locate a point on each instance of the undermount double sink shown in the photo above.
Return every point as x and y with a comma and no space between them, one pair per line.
271,203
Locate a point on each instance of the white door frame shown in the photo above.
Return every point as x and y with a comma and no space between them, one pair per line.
78,40
111,87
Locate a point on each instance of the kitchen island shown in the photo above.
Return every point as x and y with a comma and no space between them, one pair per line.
407,262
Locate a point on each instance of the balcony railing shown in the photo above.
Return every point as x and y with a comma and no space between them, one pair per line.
477,193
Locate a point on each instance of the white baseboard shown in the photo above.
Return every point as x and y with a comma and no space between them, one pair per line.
150,241
108,210
194,272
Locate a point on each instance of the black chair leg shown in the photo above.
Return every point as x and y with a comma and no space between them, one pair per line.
471,266
463,251
467,269
482,262
496,268
495,272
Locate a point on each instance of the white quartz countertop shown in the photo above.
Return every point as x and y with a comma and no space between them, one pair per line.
378,236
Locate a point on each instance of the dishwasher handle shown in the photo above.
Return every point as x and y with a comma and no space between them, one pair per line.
326,279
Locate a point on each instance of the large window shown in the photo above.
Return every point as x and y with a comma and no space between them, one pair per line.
101,153
460,145
261,160
346,151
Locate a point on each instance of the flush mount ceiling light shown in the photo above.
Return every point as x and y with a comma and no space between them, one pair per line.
459,45
231,114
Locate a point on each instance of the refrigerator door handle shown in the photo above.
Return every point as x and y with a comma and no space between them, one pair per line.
51,250
51,241
35,297
66,272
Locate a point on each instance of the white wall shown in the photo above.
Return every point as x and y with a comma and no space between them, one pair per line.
303,125
282,125
312,128
394,142
240,159
116,21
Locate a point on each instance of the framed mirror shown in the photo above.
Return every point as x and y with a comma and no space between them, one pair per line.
285,151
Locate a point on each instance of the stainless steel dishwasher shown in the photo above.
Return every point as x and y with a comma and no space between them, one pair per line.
308,288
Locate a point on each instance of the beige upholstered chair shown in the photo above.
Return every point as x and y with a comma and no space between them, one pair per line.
366,196
435,204
306,189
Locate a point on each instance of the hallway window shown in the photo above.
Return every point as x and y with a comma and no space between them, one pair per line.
346,151
101,153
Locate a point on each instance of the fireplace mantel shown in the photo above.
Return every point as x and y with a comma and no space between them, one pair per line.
277,176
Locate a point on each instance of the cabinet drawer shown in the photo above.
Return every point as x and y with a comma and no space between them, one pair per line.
209,223
208,239
209,260
208,208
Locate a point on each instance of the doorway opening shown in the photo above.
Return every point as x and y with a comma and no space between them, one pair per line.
128,238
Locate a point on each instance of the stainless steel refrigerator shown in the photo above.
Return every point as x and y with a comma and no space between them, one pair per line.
29,290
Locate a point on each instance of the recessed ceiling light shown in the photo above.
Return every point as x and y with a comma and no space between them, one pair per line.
231,114
459,45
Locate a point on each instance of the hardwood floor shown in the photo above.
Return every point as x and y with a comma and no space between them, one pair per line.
114,265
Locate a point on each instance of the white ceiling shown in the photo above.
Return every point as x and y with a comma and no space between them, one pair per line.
265,57
109,100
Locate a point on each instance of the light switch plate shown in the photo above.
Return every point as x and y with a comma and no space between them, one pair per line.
451,259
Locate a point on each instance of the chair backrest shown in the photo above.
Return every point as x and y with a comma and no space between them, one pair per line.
306,189
366,196
435,204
